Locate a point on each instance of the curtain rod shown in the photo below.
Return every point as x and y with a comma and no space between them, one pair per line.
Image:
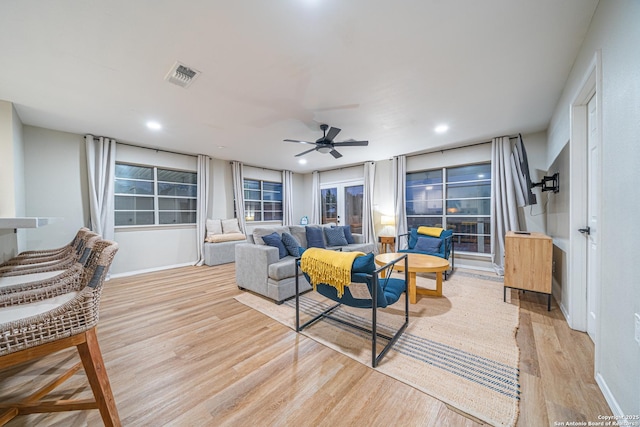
259,167
456,148
95,138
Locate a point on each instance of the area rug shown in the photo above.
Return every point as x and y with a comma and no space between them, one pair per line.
459,348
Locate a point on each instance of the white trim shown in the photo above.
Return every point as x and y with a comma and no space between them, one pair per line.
575,300
608,396
151,270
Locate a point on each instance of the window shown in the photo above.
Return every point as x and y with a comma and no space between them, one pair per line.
458,198
148,195
262,200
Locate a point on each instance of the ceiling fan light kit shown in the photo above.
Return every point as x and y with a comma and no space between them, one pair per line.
326,144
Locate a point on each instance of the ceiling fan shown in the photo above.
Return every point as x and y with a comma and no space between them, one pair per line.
326,144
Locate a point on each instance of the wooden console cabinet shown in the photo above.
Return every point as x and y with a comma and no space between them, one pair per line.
528,263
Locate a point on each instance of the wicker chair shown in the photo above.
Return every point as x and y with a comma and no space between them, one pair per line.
60,261
56,251
39,325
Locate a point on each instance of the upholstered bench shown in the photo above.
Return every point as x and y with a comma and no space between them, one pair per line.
220,243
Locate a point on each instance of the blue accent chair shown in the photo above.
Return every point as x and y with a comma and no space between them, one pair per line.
446,248
382,291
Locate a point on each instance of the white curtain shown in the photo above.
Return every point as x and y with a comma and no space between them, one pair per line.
504,213
315,199
203,202
101,168
238,193
368,231
399,194
287,198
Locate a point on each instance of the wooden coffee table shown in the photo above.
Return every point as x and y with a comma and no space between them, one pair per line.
418,263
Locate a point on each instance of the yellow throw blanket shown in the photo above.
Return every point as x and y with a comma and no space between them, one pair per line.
430,231
330,267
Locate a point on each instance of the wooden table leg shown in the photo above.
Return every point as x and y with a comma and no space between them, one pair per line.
412,288
437,292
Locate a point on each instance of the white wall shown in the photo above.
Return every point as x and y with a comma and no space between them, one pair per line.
11,179
615,31
147,248
56,185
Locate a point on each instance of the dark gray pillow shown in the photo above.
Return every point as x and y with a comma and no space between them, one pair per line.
292,244
274,240
335,236
427,244
315,238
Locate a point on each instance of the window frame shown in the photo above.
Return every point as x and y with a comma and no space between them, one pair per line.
262,201
445,217
156,197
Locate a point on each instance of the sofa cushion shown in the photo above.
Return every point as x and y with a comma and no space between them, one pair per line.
283,269
230,226
428,244
258,232
300,233
275,240
230,237
315,238
292,244
335,236
214,226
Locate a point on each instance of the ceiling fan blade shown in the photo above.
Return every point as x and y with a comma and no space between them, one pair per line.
305,152
335,154
295,140
333,132
352,143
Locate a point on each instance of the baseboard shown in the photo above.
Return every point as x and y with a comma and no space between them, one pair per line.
608,396
151,270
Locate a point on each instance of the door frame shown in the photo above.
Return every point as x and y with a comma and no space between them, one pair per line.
576,310
339,184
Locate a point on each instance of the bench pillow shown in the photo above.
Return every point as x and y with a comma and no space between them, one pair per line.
230,226
214,226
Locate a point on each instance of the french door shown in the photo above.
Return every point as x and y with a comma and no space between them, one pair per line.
342,203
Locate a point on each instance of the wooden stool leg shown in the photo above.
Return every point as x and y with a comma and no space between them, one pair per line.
97,374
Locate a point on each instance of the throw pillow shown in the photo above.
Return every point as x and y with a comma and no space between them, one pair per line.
214,226
364,264
274,240
292,245
230,226
335,236
427,244
347,233
413,238
315,238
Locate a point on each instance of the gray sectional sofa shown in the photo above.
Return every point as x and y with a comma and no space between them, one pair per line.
260,269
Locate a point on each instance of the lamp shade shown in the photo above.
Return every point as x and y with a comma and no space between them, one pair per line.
387,220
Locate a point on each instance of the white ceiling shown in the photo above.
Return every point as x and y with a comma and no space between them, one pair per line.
383,71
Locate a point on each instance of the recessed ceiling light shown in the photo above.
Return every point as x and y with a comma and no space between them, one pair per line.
222,147
302,161
441,128
154,125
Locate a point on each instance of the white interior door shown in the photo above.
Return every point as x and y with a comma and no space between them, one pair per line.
593,203
342,203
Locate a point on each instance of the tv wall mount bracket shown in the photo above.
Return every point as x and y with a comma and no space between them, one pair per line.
549,183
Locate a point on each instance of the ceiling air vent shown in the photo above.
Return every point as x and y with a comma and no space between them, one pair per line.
182,75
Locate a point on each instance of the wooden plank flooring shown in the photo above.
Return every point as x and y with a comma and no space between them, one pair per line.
180,351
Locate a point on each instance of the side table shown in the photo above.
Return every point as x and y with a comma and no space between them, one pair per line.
386,243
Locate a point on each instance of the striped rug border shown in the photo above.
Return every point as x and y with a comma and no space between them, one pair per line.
493,375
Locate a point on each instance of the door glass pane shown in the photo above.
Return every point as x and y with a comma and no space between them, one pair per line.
353,207
329,205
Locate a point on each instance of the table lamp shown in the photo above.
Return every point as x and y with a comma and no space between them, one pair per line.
388,222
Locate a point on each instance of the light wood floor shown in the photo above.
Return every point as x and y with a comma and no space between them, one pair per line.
180,351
